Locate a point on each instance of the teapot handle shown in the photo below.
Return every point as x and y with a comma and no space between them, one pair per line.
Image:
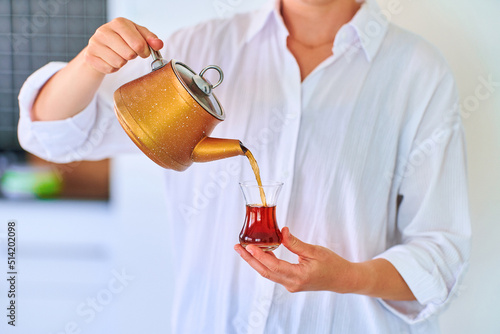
158,61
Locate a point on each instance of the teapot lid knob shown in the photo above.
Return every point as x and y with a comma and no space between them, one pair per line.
199,87
203,84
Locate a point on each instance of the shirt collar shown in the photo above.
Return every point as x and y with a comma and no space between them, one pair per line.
366,30
270,11
370,27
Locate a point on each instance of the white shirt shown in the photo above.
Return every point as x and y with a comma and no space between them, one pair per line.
376,121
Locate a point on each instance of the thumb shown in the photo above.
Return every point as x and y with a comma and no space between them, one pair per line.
294,245
150,38
155,43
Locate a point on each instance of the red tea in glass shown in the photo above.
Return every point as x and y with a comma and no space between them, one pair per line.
260,227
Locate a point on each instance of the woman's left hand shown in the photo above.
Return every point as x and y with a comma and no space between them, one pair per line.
318,268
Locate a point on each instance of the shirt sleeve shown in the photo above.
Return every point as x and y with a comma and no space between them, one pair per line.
92,134
433,217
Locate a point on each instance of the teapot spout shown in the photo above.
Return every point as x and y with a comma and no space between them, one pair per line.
210,149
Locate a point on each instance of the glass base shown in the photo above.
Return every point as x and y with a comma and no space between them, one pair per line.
264,247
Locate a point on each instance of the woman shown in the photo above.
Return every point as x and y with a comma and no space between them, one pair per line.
355,115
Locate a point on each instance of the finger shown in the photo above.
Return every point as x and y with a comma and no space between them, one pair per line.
98,63
296,246
155,43
270,261
101,66
116,43
150,38
108,55
129,32
271,254
256,264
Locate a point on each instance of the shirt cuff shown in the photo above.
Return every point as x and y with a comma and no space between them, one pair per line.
427,285
44,138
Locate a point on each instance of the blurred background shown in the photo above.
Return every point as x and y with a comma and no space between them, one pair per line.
92,252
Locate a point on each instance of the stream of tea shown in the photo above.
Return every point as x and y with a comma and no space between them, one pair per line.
256,171
260,227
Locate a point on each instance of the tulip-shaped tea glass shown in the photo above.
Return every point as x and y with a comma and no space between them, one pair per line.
260,227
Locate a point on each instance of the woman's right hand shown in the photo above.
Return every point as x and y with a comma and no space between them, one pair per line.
118,41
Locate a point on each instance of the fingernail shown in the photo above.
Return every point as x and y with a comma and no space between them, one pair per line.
250,250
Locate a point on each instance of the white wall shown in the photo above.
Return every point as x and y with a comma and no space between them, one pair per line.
165,16
468,34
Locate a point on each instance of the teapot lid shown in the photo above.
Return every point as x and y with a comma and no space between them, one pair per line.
199,87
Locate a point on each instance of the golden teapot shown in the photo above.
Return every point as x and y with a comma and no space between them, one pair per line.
170,112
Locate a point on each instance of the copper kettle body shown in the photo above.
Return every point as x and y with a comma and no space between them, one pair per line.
169,114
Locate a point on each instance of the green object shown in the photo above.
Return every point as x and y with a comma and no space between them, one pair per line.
47,185
20,182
